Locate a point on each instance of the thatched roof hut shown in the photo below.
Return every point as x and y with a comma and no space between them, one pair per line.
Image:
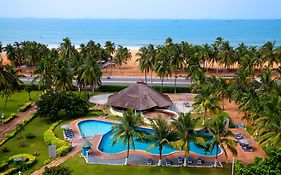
139,97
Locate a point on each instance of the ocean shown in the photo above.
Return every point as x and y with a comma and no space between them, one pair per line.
136,33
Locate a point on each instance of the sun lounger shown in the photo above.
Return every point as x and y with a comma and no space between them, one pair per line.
180,160
189,160
247,149
149,161
199,161
168,162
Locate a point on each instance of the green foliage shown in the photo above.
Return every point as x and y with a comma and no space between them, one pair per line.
30,136
58,170
25,107
52,103
271,165
166,89
63,147
29,161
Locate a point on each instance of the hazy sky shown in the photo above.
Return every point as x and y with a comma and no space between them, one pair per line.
188,9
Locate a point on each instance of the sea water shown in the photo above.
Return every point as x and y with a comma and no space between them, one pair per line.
141,32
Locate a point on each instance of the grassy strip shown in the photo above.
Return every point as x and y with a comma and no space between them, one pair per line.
79,167
18,128
166,89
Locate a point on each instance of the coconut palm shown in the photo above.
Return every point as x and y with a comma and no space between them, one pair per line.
89,73
122,56
144,63
127,130
9,82
268,54
266,81
162,135
221,137
67,51
207,101
185,129
62,76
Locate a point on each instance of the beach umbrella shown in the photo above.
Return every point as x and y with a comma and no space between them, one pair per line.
86,144
66,126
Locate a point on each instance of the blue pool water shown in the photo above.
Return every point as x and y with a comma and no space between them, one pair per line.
89,128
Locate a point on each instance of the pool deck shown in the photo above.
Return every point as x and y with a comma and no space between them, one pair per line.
246,157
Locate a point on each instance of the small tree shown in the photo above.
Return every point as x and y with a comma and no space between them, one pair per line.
52,103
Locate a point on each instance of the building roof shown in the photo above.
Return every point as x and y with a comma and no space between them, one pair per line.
139,97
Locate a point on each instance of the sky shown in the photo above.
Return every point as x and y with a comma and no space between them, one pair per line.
143,9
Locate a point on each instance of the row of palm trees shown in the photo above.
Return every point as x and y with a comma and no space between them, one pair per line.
171,58
57,67
177,134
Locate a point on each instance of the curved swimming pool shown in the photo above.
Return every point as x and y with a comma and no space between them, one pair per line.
89,128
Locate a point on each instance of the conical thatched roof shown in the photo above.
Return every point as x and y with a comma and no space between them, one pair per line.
139,97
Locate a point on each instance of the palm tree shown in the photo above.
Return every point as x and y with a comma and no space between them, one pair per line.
144,62
89,73
268,54
9,82
62,77
122,56
162,135
176,61
207,101
67,51
162,67
127,130
185,129
221,137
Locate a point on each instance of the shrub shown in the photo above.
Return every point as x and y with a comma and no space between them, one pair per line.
58,170
30,136
5,150
11,117
63,147
30,160
36,154
25,107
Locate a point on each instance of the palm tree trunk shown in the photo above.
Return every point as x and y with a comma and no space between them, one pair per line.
204,117
216,159
4,109
162,79
185,159
145,77
160,155
29,96
151,77
175,88
128,152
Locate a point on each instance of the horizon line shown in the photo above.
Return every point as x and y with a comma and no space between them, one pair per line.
82,18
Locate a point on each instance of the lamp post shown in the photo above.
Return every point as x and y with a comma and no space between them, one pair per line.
19,172
232,169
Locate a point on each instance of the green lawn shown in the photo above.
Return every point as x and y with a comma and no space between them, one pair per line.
16,100
79,167
20,144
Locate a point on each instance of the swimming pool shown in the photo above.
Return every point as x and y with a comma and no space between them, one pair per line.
89,128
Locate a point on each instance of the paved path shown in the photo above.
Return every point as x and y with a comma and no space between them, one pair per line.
58,161
11,125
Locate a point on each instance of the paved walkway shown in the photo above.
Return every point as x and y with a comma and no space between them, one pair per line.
11,125
58,161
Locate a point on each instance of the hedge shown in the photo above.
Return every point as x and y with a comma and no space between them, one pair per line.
12,116
63,147
13,170
14,132
25,107
166,89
